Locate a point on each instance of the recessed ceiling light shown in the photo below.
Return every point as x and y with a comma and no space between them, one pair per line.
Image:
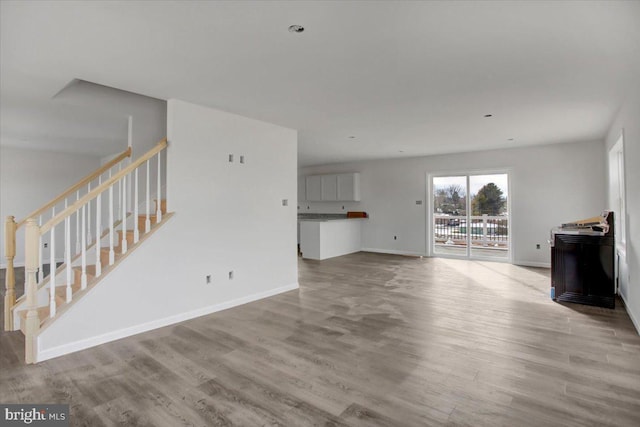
510,139
352,137
488,115
296,28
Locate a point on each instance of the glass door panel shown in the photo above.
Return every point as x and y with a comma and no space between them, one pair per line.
450,216
489,216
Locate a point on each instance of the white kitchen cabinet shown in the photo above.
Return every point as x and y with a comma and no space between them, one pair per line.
314,188
348,187
302,189
344,187
327,239
329,188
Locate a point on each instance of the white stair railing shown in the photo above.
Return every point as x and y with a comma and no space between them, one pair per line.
43,214
87,262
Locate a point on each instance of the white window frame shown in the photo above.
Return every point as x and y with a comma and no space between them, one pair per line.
468,173
617,192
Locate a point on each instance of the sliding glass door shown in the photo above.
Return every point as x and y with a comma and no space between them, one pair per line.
470,216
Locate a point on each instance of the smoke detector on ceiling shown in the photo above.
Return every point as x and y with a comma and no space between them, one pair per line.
296,29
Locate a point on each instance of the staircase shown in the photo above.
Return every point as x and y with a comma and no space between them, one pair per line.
83,248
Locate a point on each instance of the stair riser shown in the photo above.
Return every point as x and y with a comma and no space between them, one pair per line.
142,219
163,206
129,238
78,276
104,257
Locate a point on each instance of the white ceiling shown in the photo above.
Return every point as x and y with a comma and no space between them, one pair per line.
415,77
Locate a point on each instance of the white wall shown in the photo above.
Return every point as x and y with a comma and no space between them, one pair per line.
627,121
228,216
149,126
550,185
30,178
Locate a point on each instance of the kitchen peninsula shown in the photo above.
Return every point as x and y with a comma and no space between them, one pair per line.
325,236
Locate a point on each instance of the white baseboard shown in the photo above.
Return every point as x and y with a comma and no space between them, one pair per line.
393,252
533,264
633,318
50,353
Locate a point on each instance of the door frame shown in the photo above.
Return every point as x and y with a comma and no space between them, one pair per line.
468,173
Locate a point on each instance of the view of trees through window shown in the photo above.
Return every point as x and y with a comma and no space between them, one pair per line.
470,216
450,196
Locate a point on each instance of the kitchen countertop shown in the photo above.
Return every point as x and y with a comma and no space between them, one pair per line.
323,217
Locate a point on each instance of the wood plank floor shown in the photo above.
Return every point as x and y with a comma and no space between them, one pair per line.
367,340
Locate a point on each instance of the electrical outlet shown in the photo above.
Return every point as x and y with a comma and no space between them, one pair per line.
46,245
231,275
242,159
418,202
230,158
395,237
285,202
537,245
208,279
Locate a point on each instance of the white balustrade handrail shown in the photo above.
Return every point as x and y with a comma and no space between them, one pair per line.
77,186
492,217
78,204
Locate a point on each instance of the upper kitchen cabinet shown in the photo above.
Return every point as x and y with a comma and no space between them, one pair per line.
329,188
302,189
344,187
348,187
314,188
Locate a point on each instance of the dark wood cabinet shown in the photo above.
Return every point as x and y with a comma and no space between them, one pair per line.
583,268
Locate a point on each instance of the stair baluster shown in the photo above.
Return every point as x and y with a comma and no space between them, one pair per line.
52,269
119,198
123,243
67,255
77,226
88,217
112,254
98,234
83,251
136,231
40,275
147,222
159,191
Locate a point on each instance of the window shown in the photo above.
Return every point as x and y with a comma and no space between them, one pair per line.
617,195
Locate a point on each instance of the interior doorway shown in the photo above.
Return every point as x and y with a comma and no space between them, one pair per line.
470,216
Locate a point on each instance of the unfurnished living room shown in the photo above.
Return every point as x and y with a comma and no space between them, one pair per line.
320,213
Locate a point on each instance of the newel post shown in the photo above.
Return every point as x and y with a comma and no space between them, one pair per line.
10,278
32,243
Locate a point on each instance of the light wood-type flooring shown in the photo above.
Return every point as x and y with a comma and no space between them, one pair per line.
367,340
